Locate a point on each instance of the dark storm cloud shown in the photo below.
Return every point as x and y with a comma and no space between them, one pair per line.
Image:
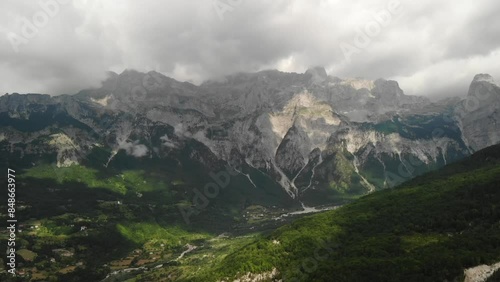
432,48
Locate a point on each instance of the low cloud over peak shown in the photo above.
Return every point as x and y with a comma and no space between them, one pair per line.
431,48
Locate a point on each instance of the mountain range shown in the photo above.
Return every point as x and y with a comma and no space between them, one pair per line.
151,179
310,139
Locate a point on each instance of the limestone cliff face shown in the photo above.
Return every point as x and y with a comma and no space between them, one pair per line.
479,113
312,134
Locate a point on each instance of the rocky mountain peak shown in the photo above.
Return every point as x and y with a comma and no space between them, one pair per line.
111,74
483,85
387,89
484,77
479,112
317,73
130,73
358,83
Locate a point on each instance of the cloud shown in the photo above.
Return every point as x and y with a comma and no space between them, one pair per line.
433,47
181,131
134,149
139,150
450,77
167,142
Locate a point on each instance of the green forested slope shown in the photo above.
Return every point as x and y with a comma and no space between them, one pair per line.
428,229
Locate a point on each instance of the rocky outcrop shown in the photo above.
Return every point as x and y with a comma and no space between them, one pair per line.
257,277
479,113
480,273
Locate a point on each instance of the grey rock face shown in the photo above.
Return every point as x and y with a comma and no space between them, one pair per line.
292,153
317,74
309,133
479,113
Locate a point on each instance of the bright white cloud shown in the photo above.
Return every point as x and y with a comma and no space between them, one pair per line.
134,149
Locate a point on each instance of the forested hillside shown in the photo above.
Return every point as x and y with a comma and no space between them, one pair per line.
428,229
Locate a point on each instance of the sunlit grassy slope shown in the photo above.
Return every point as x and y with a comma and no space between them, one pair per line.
130,180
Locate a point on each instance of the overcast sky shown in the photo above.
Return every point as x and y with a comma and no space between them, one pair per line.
432,47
